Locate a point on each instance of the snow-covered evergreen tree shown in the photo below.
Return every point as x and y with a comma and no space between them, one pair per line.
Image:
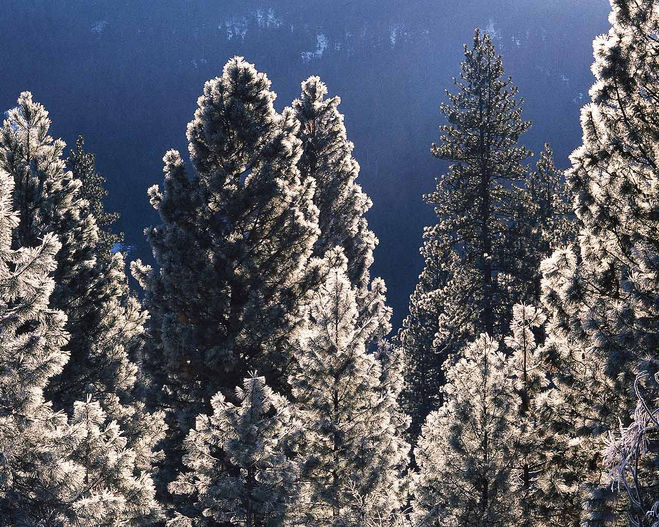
30,354
109,488
83,167
461,293
327,159
533,488
353,453
602,296
232,249
497,220
52,472
238,468
466,453
105,324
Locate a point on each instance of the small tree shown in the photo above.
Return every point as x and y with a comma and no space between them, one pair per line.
353,451
83,167
467,449
532,485
238,471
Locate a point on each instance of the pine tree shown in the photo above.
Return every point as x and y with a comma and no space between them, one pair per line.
239,470
232,250
110,488
327,159
464,290
353,453
105,323
601,296
52,472
542,221
92,189
467,449
30,354
533,488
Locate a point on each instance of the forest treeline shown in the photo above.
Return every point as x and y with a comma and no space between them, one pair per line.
253,380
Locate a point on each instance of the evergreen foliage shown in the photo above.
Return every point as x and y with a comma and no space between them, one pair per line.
83,167
353,452
602,295
542,221
495,223
527,367
467,449
534,489
104,322
232,251
327,159
238,468
52,472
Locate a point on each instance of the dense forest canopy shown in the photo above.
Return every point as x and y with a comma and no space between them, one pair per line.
248,370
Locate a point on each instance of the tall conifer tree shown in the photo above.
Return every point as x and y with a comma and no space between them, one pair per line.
105,324
602,296
465,288
232,250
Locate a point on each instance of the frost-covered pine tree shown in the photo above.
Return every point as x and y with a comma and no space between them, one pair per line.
238,468
542,221
52,472
232,250
466,453
83,167
30,354
105,324
602,296
109,488
533,491
327,159
465,288
353,453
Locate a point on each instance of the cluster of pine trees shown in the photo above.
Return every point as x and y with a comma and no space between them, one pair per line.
252,381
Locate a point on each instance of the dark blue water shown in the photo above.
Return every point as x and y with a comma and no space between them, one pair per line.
126,75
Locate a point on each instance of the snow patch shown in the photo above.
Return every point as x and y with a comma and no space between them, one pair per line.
579,99
322,43
99,26
235,27
395,33
491,30
196,63
266,18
